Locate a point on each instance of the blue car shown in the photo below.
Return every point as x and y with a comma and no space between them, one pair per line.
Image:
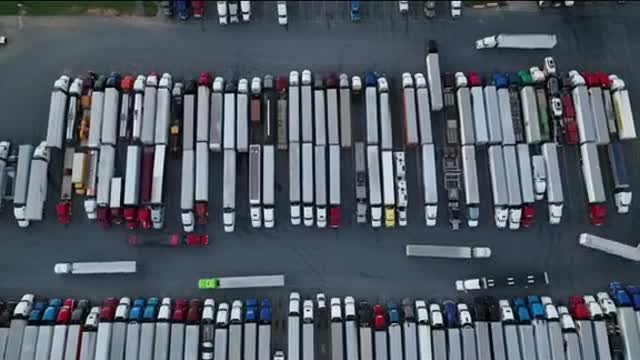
355,10
370,79
394,313
450,313
501,80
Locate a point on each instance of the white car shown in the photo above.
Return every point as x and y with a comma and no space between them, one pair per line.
456,9
556,107
165,310
236,312
294,304
336,309
222,12
422,312
122,311
321,300
282,13
245,8
356,83
307,311
349,308
222,318
403,6
549,66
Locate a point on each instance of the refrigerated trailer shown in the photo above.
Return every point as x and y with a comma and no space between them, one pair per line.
433,72
320,115
333,126
157,187
242,119
424,109
202,183
97,109
148,110
494,125
109,133
37,189
217,108
429,184
106,169
229,190
498,186
294,107
530,114
138,102
334,186
471,189
597,109
255,184
294,182
73,110
360,182
91,184
188,121
307,184
526,185
163,110
621,180
269,185
513,186
320,176
57,112
132,185
506,121
410,121
375,187
202,110
371,104
581,103
465,116
345,112
622,106
187,190
306,107
593,182
555,197
229,118
479,112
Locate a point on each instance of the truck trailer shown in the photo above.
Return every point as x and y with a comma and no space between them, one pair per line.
320,112
148,110
429,184
555,197
63,208
282,112
126,105
229,190
163,110
386,133
307,184
255,184
217,108
517,41
306,107
478,106
132,186
371,105
375,185
91,187
73,110
465,115
594,186
471,189
581,103
494,124
106,169
513,186
109,132
334,186
187,190
320,176
622,193
294,107
269,185
138,103
202,183
57,112
498,186
622,106
433,73
333,124
38,183
294,181
424,109
202,110
526,185
229,118
345,111
360,182
504,108
596,100
25,155
242,116
157,186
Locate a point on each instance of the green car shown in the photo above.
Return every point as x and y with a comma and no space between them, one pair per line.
211,283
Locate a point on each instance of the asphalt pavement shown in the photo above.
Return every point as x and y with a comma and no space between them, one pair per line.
355,259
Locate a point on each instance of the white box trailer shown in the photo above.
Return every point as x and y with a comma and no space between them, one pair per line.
471,188
229,120
506,122
57,341
467,135
37,191
57,112
110,115
395,341
43,346
132,175
320,115
320,161
386,130
333,125
307,110
555,197
187,191
293,336
148,110
192,342
202,114
132,344
334,176
163,110
381,344
308,343
269,185
424,110
366,342
157,186
498,185
592,173
217,108
433,72
517,41
307,183
29,341
351,339
526,175
513,186
430,184
99,267
345,112
147,335
337,340
255,184
598,114
479,115
188,120
264,341
622,193
622,105
294,183
73,110
410,117
371,104
582,105
25,154
530,115
97,112
176,343
106,169
294,108
494,124
375,186
138,102
202,176
242,120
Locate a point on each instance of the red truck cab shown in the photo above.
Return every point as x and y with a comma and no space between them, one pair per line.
180,311
281,84
115,216
332,81
578,309
474,79
197,240
127,83
202,212
528,214
144,218
379,318
205,78
194,314
131,217
63,211
570,125
198,8
64,315
108,309
103,217
597,214
334,216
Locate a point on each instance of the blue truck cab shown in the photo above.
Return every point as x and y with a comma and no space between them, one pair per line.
151,311
370,79
501,80
139,303
394,313
135,314
450,313
523,314
114,80
265,311
618,294
251,309
535,307
355,10
183,9
50,314
36,313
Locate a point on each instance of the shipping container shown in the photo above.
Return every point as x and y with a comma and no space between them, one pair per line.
433,72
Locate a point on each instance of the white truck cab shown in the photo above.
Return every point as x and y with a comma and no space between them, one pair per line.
294,304
356,83
236,312
91,322
307,311
294,78
550,311
222,317
606,304
281,8
403,6
506,313
461,80
456,9
208,309
256,85
549,66
321,300
437,320
536,74
594,307
245,8
349,308
24,306
122,311
233,12
515,215
422,314
539,176
336,309
188,220
222,12
566,321
164,313
278,355
464,315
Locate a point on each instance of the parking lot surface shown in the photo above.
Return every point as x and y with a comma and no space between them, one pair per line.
354,259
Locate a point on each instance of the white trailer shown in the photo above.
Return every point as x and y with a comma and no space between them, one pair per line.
192,341
73,110
333,125
45,336
471,189
103,267
229,120
157,186
149,110
217,106
242,121
616,248
202,180
235,331
402,198
188,118
176,344
161,341
255,184
465,115
582,106
345,112
187,191
410,121
388,188
103,339
221,334
147,336
307,107
264,341
597,112
479,113
498,186
320,176
506,121
375,186
124,117
138,102
106,169
89,335
526,176
320,115
57,112
360,182
366,341
517,41
371,104
334,179
433,72
91,184
229,190
307,184
132,176
37,189
308,344
269,185
592,175
450,252
202,114
430,184
294,182
424,109
58,340
555,197
622,106
386,133
294,107
395,341
97,111
494,124
513,186
293,327
25,155
530,115
381,344
163,110
30,339
111,109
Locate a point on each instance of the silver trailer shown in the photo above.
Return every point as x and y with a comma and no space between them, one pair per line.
229,125
95,127
351,339
294,182
294,113
293,336
235,341
599,116
439,344
334,175
118,340
176,344
454,343
424,114
556,343
375,186
424,341
527,344
255,184
229,190
410,121
138,101
371,104
57,342
513,185
163,111
307,182
308,343
381,345
337,340
467,135
429,184
264,342
498,182
192,341
161,342
629,330
307,113
470,176
591,173
506,121
250,338
395,342
125,112
242,119
88,344
110,116
526,175
585,337
530,115
541,337
584,116
106,169
187,183
148,111
217,108
202,122
132,175
147,336
497,340
57,112
103,340
188,122
555,196
479,115
511,341
72,343
345,112
333,126
366,342
360,182
388,180
483,339
25,155
468,343
433,72
202,172
37,191
494,124
603,348
220,343
386,130
29,342
320,116
269,185
320,176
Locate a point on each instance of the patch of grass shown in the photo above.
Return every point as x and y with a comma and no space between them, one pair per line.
36,8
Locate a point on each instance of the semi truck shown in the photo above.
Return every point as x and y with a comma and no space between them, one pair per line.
375,186
25,155
203,103
63,208
596,100
202,183
494,124
320,176
74,330
59,334
138,102
569,334
526,185
109,132
345,111
192,331
584,116
529,108
622,106
609,112
91,186
433,73
333,125
282,112
622,193
163,110
594,186
132,343
539,176
57,112
187,191
106,168
450,252
30,338
307,184
371,104
555,197
517,41
269,106
360,182
119,329
429,184
498,186
250,329
126,104
388,189
294,107
402,198
264,330
242,119
424,109
217,108
229,190
513,187
149,109
157,186
386,133
107,267
451,157
189,106
105,325
162,331
221,334
471,189
306,107
334,186
89,334
255,183
269,186
293,327
504,108
177,327
465,115
132,186
395,333
320,115
38,181
229,119
479,113
73,110
294,181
